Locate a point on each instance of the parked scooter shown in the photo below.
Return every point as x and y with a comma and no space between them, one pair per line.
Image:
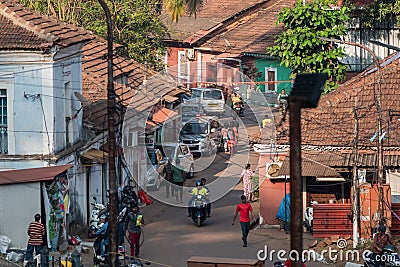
309,217
95,222
199,209
390,257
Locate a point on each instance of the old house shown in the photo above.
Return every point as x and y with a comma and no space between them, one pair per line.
40,71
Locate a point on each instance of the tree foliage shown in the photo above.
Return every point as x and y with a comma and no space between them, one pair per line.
136,23
176,8
299,47
378,10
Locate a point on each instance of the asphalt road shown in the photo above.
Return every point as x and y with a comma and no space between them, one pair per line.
170,238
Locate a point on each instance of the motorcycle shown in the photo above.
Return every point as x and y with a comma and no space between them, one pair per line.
390,257
95,222
239,108
199,209
106,258
128,200
97,251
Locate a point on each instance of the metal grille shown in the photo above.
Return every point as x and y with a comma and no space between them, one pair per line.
3,122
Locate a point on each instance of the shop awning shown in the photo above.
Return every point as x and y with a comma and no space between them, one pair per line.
95,155
314,165
32,174
169,98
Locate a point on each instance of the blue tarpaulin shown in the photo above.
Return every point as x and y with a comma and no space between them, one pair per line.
284,209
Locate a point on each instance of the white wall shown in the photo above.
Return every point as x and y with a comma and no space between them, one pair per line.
19,204
393,178
37,99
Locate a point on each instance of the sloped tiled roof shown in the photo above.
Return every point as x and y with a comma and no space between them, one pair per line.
211,14
25,29
95,73
332,122
138,98
252,33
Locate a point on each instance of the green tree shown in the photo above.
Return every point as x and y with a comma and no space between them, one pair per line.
299,47
176,8
378,10
137,24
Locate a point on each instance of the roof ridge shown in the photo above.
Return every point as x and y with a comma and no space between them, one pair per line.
226,23
11,14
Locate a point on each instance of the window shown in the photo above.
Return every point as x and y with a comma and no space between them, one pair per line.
3,122
196,93
212,95
183,67
270,78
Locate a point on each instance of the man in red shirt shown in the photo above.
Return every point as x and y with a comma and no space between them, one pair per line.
35,242
245,209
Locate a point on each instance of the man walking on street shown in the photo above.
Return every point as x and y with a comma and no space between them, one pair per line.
35,242
245,209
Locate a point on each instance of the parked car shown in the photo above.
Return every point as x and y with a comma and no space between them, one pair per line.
202,135
155,168
211,100
173,151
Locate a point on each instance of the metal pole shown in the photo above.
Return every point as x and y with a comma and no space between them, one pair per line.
112,177
355,178
296,186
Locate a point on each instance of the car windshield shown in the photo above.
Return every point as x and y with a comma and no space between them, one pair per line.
196,93
190,109
212,94
195,128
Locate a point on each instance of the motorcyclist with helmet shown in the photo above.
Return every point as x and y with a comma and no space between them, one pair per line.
381,239
198,190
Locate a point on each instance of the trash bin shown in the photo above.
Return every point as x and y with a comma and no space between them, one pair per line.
4,243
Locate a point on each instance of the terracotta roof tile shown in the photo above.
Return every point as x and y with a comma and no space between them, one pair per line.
26,29
211,14
252,33
161,114
332,122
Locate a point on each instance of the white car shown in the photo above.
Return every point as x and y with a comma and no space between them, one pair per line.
212,100
173,151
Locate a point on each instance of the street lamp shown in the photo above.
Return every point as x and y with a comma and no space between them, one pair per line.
378,99
112,177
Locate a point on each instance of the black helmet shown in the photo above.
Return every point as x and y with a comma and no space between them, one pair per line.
243,197
382,228
199,183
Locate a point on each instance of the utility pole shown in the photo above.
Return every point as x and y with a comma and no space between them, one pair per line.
296,184
112,177
378,104
356,198
306,92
